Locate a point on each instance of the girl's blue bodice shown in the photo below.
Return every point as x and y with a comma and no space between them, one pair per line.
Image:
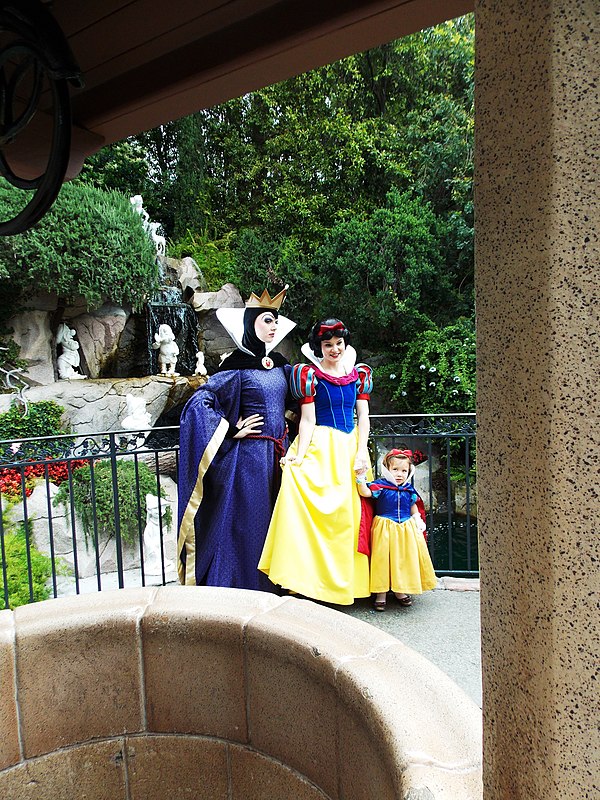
392,504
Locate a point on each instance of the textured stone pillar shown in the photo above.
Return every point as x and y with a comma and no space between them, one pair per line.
537,273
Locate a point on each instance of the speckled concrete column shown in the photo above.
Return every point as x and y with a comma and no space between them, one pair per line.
537,269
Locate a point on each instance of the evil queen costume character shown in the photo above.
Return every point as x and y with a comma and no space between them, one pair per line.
312,543
227,486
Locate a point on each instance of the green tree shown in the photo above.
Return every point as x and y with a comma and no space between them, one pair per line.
91,243
122,167
384,275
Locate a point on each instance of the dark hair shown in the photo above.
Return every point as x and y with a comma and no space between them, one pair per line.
327,329
250,340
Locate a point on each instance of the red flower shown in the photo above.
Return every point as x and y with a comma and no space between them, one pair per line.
419,457
11,482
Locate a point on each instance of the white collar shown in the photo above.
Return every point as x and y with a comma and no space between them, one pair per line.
232,319
348,361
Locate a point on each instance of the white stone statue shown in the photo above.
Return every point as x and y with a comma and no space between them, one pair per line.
151,228
164,342
137,204
152,549
159,241
68,361
136,418
200,368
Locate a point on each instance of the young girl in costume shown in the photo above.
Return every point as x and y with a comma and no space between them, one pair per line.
233,433
311,544
399,555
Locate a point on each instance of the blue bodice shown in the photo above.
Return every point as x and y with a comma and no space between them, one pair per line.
335,404
394,503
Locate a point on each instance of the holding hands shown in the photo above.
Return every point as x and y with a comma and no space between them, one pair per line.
361,462
291,459
361,476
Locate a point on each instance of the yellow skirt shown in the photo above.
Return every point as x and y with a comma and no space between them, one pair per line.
311,543
399,558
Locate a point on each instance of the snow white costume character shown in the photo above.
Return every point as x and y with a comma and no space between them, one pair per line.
233,433
400,559
311,545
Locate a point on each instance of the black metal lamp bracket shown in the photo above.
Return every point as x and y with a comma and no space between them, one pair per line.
34,52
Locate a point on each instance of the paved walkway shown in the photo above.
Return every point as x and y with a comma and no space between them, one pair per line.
442,625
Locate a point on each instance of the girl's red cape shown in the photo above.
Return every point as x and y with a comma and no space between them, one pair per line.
367,512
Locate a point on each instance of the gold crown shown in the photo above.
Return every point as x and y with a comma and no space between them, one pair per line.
266,301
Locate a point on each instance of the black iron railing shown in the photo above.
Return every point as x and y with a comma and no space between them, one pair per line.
444,447
83,513
74,511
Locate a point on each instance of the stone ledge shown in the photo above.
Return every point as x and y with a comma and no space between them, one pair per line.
458,584
298,694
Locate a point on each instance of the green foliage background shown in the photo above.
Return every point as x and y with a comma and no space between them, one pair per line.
91,243
42,419
95,500
17,581
352,183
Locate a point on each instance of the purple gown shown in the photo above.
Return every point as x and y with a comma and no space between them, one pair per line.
227,487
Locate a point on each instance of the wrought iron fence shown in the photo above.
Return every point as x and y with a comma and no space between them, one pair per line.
85,513
81,513
444,449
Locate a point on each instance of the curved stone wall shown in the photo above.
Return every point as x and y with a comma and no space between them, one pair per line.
222,693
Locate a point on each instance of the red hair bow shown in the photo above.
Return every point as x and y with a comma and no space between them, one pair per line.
407,453
338,326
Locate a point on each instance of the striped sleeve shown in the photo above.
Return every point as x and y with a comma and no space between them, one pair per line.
303,383
365,382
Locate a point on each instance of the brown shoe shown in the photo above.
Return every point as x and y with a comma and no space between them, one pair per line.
405,600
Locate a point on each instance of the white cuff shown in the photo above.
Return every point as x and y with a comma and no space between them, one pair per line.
419,520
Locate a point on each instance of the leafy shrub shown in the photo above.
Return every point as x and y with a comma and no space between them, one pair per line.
91,243
40,419
15,550
97,500
436,373
213,257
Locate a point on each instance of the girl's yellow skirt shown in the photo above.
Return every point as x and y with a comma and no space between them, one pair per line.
400,559
311,543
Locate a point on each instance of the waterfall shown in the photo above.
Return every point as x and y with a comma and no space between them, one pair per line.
167,308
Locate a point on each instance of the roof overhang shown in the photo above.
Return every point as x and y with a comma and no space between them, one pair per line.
147,62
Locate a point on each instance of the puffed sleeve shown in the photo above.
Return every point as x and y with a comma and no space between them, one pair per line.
303,383
365,382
